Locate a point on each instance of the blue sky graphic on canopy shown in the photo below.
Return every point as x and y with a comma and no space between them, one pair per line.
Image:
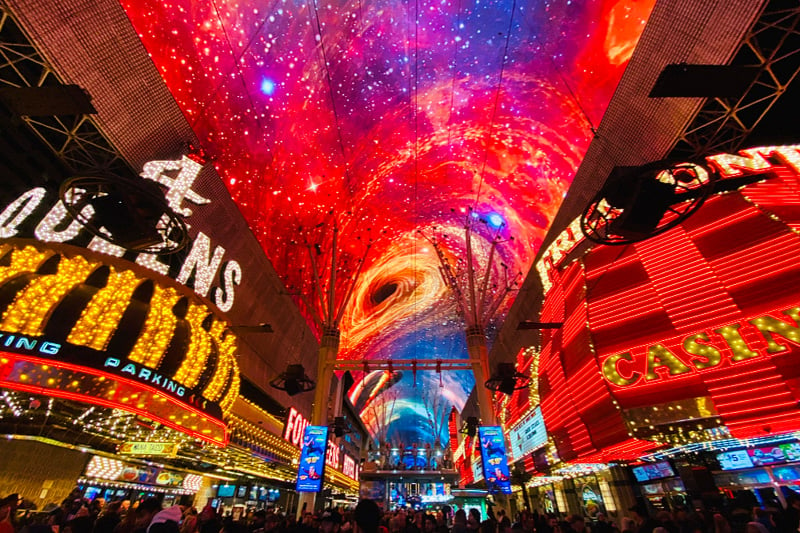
312,459
495,463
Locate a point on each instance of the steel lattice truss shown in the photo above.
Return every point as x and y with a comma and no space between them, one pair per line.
76,140
723,124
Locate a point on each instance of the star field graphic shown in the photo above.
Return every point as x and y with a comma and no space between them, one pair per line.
390,121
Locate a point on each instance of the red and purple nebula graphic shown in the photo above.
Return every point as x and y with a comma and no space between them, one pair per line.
395,120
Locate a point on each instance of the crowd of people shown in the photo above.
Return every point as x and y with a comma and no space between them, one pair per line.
78,515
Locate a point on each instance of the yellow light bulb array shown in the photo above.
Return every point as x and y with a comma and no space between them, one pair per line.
32,305
199,347
101,317
227,351
226,366
23,260
227,402
159,327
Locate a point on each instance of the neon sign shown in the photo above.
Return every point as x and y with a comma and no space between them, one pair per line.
119,366
147,376
49,317
295,427
332,455
294,430
29,344
703,350
349,467
699,320
202,266
751,161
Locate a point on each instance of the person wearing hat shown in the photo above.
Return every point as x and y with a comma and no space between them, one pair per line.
8,506
166,521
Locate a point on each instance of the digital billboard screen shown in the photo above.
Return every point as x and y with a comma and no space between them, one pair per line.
653,471
734,460
791,450
312,459
766,456
226,491
495,462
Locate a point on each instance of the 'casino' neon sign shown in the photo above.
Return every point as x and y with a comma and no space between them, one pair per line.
703,350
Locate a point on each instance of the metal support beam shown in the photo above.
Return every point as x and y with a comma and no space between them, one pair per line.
404,364
76,139
723,124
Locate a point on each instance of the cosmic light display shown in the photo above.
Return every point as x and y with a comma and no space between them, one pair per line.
394,121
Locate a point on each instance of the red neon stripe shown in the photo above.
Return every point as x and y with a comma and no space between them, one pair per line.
762,409
107,403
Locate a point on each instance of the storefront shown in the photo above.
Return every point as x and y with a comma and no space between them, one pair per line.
762,476
661,487
112,479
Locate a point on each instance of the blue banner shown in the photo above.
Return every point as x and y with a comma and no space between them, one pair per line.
312,459
495,463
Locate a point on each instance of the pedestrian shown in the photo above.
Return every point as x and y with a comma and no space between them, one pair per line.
367,517
8,506
108,519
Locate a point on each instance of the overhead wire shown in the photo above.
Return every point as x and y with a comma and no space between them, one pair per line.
240,73
413,80
330,90
453,85
496,102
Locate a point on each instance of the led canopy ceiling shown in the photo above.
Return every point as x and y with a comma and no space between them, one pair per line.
395,123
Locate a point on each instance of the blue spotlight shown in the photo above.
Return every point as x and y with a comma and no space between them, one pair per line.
495,220
267,86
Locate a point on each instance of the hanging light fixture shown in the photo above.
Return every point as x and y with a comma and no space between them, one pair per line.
506,379
132,214
294,380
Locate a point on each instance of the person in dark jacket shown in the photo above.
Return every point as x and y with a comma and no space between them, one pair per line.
108,519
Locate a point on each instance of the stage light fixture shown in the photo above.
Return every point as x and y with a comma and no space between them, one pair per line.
293,381
506,379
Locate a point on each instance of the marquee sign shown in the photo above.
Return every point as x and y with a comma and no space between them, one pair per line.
527,435
206,269
165,449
